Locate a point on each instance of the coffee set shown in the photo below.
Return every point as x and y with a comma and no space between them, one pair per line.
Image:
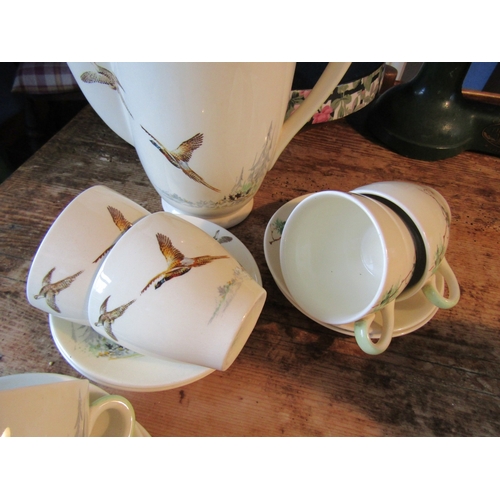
146,301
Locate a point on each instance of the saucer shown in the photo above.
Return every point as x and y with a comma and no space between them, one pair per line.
29,379
410,314
110,364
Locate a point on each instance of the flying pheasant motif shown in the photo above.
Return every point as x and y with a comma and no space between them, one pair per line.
120,222
178,264
107,318
49,290
105,77
179,158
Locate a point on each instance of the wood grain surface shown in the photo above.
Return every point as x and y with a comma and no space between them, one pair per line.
293,377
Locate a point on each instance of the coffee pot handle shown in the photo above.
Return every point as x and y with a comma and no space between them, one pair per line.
324,87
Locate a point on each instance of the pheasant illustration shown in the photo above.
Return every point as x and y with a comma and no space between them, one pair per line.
107,318
120,222
179,158
178,264
222,239
105,77
49,290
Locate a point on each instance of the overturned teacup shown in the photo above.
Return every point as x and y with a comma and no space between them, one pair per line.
344,257
169,290
73,249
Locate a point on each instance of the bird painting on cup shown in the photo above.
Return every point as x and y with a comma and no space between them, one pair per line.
105,77
107,318
49,290
180,157
177,263
120,222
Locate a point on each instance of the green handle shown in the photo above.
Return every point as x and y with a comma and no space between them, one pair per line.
362,331
449,277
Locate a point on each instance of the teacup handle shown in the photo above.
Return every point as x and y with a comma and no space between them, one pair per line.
362,331
449,277
113,402
326,84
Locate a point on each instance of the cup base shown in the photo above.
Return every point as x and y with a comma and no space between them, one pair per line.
225,221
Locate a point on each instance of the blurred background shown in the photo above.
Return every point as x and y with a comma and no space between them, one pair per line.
38,99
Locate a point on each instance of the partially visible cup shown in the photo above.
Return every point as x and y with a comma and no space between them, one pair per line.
344,257
60,409
68,257
428,217
169,290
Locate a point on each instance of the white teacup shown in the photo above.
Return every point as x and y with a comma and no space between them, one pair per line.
345,257
60,410
430,215
167,289
68,257
206,133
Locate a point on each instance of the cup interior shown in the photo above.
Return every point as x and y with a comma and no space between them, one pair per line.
333,257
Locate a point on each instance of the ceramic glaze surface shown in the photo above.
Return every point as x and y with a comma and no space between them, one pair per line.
431,215
72,250
409,314
344,257
59,410
100,359
108,424
183,297
206,133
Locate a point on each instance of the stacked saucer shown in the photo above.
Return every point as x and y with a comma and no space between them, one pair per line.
411,311
85,254
108,363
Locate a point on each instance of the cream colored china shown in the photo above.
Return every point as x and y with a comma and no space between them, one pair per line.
69,255
410,314
60,409
107,425
107,363
345,257
169,290
206,133
430,214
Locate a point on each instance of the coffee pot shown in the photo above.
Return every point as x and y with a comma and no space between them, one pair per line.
206,133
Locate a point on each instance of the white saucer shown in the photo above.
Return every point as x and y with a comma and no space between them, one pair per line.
410,314
109,364
102,428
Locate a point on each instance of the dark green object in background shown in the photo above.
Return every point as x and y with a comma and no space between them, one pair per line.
428,118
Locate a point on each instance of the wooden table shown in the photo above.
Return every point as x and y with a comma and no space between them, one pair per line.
293,377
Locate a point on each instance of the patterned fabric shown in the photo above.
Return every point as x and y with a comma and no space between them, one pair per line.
44,78
344,100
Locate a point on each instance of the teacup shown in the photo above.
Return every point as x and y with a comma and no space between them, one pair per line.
206,133
60,409
344,257
69,255
428,216
169,290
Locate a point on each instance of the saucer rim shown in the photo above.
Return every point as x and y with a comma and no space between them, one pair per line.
56,324
337,328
